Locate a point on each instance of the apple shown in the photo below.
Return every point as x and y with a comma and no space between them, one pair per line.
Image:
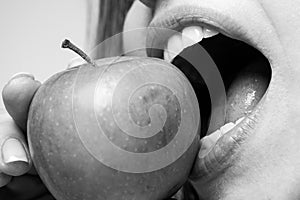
114,128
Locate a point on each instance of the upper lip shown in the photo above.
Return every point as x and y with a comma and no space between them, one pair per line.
168,22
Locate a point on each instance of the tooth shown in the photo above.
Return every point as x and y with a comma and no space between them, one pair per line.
227,127
215,135
167,56
175,45
209,33
239,120
208,142
191,35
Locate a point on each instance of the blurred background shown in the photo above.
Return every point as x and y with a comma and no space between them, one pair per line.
31,33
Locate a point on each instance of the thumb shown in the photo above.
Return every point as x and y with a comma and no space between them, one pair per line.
14,154
17,95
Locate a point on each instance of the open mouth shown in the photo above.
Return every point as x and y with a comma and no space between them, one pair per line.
245,71
246,74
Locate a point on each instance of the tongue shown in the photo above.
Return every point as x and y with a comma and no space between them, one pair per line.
246,89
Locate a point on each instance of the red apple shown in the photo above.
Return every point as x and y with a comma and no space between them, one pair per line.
117,128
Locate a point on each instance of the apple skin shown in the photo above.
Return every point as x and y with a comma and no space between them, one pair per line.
63,129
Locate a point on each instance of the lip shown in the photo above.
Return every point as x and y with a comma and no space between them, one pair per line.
168,22
259,34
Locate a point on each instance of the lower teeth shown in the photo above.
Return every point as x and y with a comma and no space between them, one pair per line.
211,139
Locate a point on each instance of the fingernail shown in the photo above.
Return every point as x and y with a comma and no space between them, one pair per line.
22,74
13,151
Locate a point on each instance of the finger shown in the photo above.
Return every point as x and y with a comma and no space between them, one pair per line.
14,154
17,95
4,180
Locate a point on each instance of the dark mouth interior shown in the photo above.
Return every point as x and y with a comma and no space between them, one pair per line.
231,57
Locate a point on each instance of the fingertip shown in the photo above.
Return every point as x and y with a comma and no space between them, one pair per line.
16,168
17,95
22,74
15,157
14,154
9,132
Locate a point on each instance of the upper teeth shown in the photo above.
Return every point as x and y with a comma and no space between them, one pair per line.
189,36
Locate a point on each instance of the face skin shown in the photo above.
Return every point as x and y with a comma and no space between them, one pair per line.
266,163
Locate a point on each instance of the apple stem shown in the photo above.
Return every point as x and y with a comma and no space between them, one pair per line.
67,44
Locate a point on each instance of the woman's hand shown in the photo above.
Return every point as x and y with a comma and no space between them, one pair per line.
18,179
